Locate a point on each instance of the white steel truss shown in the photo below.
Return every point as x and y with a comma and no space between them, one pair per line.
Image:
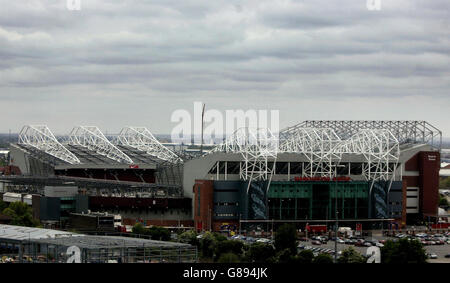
142,139
92,138
259,148
40,137
317,145
380,149
323,149
404,131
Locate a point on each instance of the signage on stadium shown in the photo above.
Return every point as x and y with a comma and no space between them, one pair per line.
322,179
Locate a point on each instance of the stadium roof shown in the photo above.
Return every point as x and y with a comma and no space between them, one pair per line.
88,145
404,131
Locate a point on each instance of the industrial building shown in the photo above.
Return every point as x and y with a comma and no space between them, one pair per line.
130,174
363,171
25,244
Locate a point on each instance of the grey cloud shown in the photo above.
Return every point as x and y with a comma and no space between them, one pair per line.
242,53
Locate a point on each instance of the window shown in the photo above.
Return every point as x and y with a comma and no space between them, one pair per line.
225,214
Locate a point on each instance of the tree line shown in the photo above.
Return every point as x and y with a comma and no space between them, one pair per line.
215,247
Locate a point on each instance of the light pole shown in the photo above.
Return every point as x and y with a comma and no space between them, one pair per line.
240,215
336,207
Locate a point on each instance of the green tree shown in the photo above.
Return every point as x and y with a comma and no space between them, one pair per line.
228,246
158,233
138,228
305,256
285,256
3,205
21,214
286,238
323,258
260,253
219,237
207,245
228,258
444,183
443,201
403,251
189,237
350,255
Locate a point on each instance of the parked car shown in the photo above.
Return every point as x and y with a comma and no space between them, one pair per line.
316,242
263,240
340,241
432,256
447,256
251,239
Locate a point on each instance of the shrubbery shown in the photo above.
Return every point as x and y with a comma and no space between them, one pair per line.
155,232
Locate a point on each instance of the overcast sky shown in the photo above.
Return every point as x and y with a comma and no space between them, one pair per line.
118,63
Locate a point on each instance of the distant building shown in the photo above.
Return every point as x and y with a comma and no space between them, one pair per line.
91,222
363,171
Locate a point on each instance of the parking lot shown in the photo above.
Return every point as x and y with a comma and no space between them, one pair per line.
439,250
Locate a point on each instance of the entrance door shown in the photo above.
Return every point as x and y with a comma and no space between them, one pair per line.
321,194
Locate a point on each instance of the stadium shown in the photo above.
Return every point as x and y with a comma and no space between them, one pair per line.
369,172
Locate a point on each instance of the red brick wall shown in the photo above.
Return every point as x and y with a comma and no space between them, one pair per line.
203,204
413,181
413,163
429,182
404,199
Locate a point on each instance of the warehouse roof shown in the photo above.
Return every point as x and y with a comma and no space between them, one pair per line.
61,238
98,242
19,233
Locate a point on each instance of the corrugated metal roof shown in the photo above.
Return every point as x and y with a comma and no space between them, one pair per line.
61,238
12,232
98,242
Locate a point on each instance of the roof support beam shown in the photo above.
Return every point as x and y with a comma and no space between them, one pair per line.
92,138
40,137
142,139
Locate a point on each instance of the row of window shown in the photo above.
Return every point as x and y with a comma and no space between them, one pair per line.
226,203
305,191
225,214
295,168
